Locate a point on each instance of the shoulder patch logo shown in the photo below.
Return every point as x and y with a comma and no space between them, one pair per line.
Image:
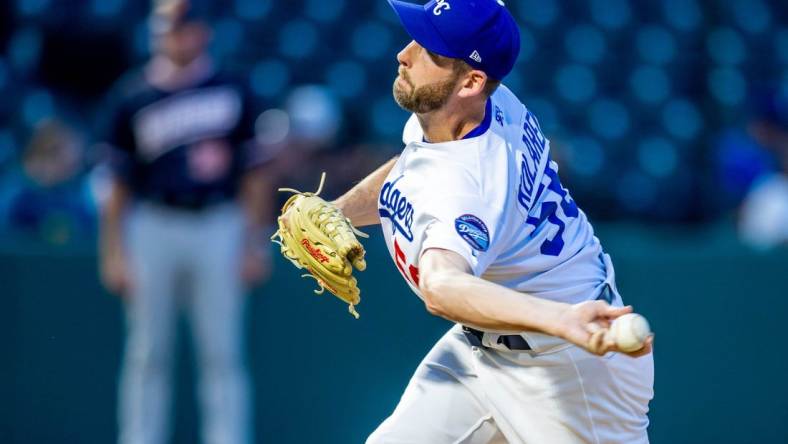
474,231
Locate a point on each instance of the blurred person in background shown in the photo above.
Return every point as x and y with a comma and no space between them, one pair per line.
48,197
763,217
309,133
186,212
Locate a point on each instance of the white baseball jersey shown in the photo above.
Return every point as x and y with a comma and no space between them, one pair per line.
495,199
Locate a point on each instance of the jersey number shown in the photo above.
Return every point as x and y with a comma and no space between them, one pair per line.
399,258
549,212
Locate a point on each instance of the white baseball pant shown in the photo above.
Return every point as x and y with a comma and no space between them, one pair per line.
555,394
169,248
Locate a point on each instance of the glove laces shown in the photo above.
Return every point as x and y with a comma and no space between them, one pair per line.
327,214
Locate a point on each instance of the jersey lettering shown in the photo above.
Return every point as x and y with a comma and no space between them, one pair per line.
535,144
533,131
498,115
395,207
184,118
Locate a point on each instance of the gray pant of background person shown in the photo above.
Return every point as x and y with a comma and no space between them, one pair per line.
169,248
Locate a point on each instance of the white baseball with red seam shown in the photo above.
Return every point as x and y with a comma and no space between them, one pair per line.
629,332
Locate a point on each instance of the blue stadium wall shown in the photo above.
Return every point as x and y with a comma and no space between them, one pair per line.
322,377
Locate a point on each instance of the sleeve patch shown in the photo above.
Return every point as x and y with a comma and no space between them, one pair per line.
474,231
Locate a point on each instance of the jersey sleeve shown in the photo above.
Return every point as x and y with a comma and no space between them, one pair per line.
465,225
116,129
119,136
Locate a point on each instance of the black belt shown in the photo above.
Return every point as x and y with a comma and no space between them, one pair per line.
517,342
512,342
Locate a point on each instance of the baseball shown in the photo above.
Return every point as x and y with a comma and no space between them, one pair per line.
629,332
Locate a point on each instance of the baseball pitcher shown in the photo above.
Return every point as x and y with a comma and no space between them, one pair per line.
479,225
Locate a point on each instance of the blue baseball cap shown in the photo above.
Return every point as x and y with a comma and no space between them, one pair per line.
481,32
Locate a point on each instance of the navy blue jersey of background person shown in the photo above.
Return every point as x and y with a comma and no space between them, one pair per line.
187,148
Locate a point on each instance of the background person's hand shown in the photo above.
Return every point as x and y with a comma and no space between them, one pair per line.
116,274
255,267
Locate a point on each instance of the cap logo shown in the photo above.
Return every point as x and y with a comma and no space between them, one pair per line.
475,56
440,6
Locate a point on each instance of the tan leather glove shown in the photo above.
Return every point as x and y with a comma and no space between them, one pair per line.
315,235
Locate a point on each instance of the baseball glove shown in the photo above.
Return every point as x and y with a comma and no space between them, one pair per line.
315,235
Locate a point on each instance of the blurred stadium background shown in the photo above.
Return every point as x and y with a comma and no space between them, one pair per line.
653,109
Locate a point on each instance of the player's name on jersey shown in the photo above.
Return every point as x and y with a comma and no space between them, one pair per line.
535,144
395,207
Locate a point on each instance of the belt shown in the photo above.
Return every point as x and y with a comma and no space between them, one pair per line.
517,342
512,342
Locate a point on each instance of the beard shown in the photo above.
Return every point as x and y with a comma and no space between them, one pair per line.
425,98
